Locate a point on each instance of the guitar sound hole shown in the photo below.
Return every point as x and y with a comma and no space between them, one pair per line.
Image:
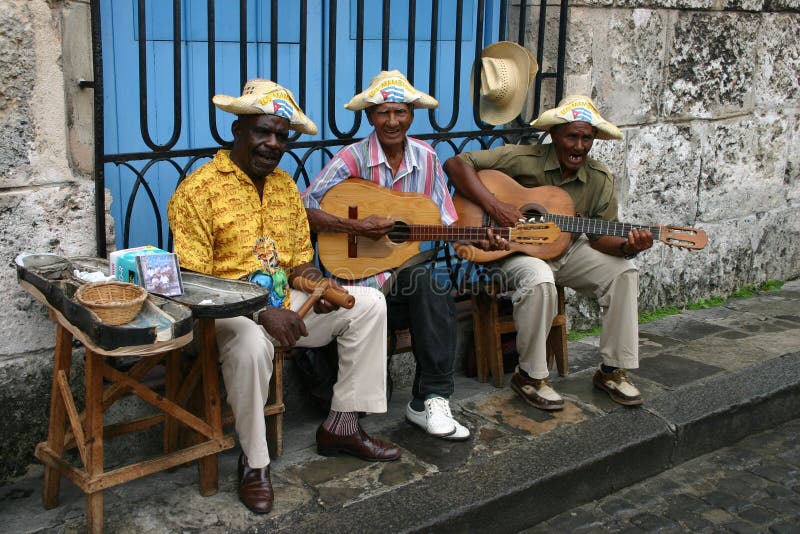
533,216
400,233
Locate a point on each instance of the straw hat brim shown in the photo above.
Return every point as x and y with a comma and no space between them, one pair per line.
605,130
365,98
246,105
582,108
526,67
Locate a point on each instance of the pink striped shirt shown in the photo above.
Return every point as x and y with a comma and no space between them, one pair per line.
419,172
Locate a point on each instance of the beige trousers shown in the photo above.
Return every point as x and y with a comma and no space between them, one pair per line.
613,280
246,352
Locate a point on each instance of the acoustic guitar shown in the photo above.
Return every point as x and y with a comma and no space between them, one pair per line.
417,218
549,203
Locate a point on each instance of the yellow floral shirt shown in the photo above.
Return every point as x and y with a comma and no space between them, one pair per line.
216,219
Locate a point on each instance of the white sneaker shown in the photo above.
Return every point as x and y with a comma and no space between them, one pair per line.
461,433
436,420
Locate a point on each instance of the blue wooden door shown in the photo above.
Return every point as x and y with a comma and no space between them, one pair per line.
157,76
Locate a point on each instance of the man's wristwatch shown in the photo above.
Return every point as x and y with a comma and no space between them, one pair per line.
625,254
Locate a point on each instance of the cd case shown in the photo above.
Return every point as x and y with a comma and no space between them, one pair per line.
160,274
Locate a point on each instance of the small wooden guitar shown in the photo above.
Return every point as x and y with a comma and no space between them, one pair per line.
417,218
552,204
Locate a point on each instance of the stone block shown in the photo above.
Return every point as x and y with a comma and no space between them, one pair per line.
25,398
742,172
50,219
626,77
17,72
777,49
711,67
663,170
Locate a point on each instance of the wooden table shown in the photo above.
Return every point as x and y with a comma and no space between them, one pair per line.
205,299
85,431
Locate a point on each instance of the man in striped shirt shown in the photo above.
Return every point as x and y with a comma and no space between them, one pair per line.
388,157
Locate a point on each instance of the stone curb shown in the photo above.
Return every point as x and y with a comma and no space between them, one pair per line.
574,464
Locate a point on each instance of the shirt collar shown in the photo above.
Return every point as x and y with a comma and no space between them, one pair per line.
552,164
224,164
377,156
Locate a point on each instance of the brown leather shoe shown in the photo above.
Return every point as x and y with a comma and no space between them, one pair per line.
536,392
359,445
255,487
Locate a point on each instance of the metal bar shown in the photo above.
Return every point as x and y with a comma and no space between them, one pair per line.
562,48
523,17
410,44
176,69
273,45
386,15
537,92
477,68
332,29
503,23
208,152
212,71
302,89
99,133
242,43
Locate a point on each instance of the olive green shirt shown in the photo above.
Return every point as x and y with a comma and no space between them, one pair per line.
591,189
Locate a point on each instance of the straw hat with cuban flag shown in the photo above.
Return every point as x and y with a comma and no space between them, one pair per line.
267,97
390,86
576,108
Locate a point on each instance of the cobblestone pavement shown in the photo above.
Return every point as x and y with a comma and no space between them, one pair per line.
750,487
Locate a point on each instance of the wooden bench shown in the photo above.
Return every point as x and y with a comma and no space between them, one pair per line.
489,324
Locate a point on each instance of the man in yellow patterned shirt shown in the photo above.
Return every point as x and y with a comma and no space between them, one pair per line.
240,216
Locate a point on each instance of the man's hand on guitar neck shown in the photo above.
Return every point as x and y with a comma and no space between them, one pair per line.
492,242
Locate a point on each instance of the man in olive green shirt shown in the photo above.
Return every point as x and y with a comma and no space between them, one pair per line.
596,265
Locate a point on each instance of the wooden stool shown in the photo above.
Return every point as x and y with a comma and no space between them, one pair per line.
87,430
489,324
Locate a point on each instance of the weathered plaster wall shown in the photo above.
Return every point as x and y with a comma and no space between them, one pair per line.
45,205
707,94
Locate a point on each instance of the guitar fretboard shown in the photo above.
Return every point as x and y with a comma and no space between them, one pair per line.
598,226
427,232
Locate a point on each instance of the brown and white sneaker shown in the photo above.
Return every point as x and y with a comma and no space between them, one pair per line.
536,392
618,386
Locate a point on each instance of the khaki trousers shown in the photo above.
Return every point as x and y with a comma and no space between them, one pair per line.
246,352
614,281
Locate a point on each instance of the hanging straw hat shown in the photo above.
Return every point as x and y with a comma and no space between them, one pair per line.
267,97
577,108
507,72
390,86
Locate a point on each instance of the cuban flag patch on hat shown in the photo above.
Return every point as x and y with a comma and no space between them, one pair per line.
282,108
582,114
393,93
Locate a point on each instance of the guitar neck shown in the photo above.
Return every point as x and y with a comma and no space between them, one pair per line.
430,232
576,225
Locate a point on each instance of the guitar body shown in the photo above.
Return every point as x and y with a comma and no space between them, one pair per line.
529,200
368,199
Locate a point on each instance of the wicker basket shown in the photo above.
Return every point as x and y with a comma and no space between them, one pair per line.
114,303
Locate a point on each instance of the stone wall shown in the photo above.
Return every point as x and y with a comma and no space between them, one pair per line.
707,94
46,204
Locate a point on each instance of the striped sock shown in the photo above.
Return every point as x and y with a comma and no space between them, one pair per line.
341,423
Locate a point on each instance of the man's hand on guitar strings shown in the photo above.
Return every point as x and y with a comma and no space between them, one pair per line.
373,226
505,214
